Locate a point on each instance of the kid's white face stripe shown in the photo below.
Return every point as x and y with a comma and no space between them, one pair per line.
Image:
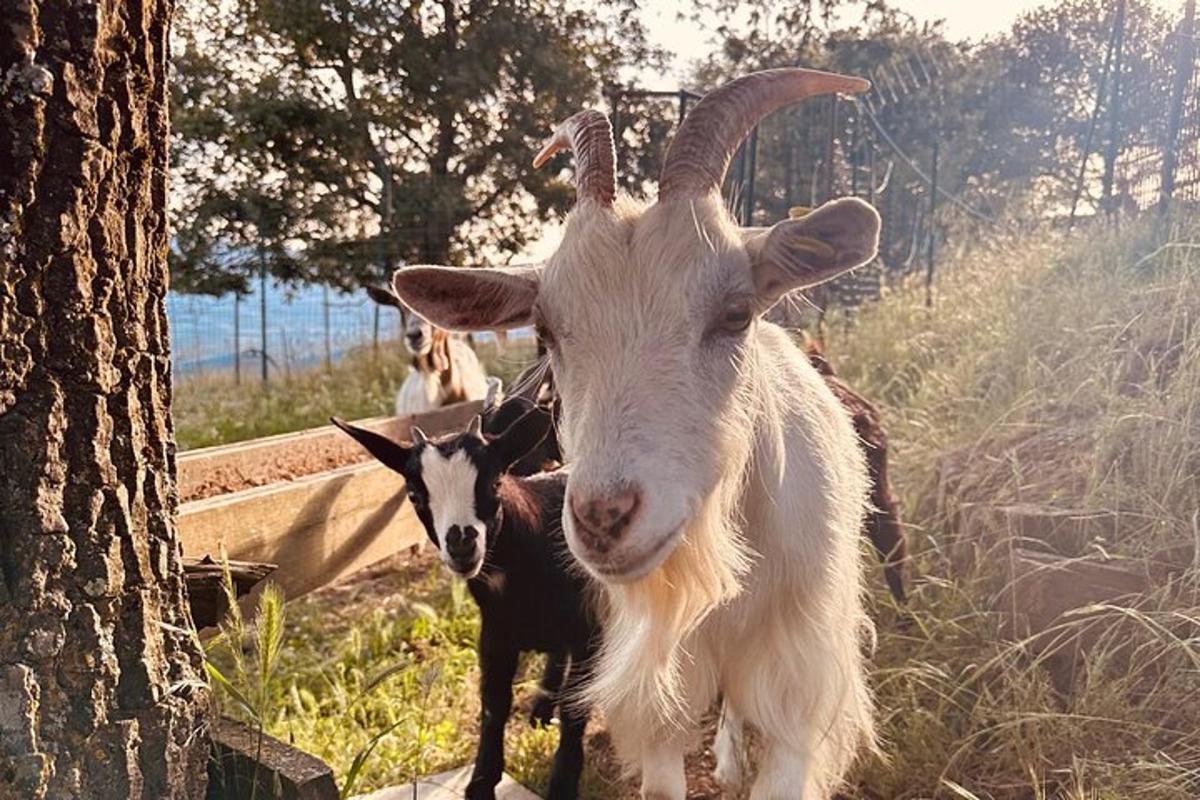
450,484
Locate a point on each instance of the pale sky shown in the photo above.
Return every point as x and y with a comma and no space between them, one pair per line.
965,19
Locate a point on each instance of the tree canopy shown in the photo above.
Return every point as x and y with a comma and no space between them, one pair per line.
334,139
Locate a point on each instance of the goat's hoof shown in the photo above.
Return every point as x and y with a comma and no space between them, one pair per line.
542,715
480,791
565,790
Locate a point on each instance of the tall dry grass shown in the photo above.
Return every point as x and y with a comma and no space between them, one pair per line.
1061,372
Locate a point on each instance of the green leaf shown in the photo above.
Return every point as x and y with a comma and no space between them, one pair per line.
220,680
360,759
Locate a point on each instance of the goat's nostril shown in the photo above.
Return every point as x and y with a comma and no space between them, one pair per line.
461,540
603,519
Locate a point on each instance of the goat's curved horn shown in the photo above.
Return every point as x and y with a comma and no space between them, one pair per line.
700,153
589,135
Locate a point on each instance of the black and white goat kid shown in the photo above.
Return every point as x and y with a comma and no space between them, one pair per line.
503,535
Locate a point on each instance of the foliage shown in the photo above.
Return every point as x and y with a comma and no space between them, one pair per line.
251,655
377,678
1047,73
336,139
1010,114
1036,341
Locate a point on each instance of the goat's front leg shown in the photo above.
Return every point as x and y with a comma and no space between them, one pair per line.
663,775
542,714
568,759
729,749
784,774
498,664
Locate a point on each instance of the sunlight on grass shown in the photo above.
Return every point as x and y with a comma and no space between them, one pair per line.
1063,371
212,409
393,655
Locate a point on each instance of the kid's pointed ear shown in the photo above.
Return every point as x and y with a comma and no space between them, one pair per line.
799,253
470,299
391,454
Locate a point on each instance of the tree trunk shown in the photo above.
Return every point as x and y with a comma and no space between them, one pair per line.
100,671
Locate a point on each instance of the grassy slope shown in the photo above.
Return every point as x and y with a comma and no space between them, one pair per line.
1053,371
1058,372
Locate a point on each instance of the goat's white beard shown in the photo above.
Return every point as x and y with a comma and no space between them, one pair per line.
648,624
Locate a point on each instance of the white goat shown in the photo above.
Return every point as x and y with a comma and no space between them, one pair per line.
445,368
717,488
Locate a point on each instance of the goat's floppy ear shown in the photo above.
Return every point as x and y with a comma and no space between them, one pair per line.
522,436
392,454
470,299
798,253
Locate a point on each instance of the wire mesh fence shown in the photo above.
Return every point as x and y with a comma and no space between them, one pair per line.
271,334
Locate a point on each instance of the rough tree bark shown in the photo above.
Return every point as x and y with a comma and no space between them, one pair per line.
100,690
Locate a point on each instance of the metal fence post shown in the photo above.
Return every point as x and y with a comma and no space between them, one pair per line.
1091,130
1114,116
830,148
751,168
616,123
325,322
870,145
262,309
1183,76
929,257
855,155
237,338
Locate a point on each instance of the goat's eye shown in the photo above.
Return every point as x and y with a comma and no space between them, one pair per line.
736,318
543,333
416,498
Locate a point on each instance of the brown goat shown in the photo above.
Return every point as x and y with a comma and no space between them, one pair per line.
882,525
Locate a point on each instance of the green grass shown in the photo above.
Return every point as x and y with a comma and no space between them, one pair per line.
394,653
213,409
1052,370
